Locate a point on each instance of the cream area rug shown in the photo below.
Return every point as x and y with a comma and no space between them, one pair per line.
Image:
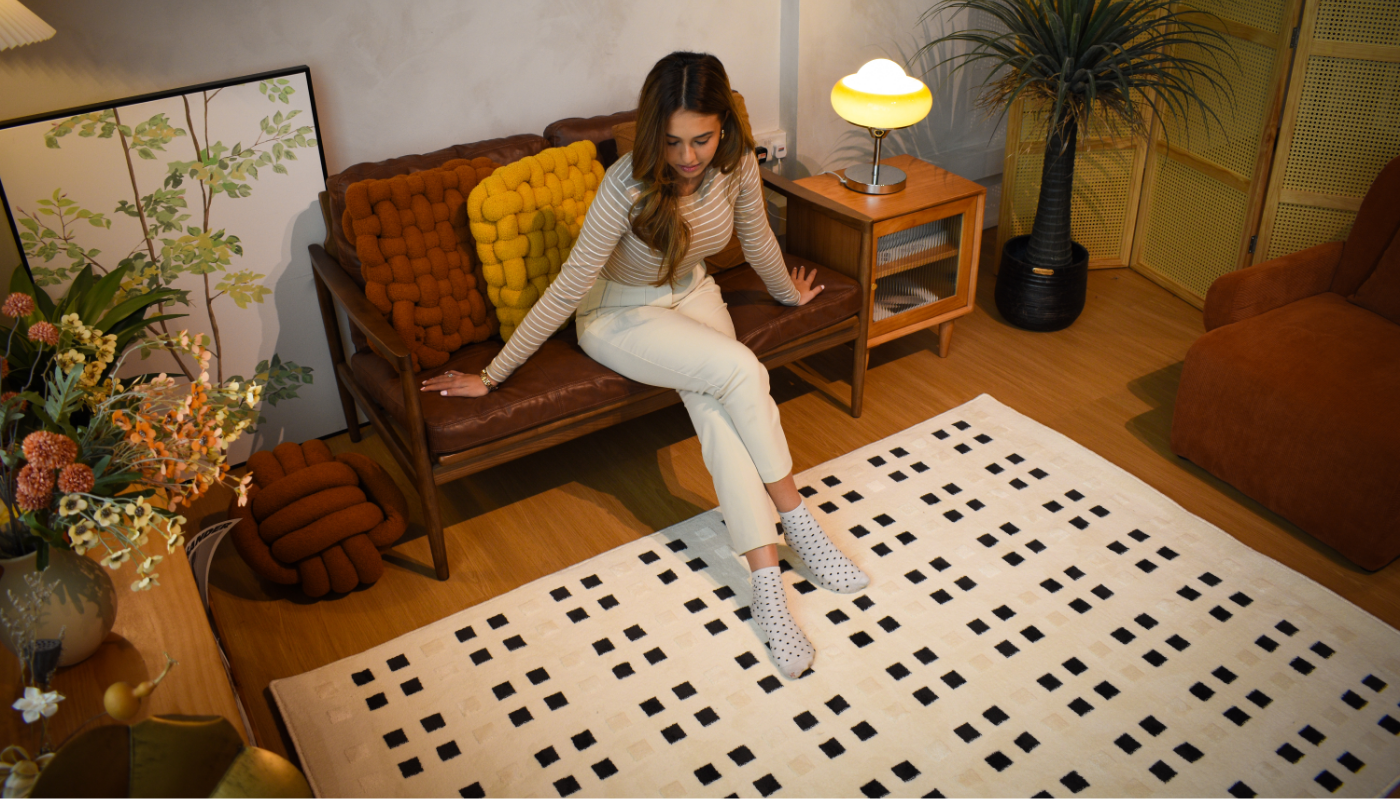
1039,623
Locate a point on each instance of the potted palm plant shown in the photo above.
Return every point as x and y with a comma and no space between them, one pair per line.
1122,60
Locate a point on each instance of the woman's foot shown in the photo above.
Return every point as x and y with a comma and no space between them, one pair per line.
786,642
830,567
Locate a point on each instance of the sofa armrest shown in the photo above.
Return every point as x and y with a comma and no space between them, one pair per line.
1273,284
362,313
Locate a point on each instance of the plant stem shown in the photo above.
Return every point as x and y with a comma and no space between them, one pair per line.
145,230
1050,242
207,200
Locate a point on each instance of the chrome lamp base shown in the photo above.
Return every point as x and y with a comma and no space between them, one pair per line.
875,179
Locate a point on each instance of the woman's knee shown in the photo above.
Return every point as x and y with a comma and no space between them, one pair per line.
742,371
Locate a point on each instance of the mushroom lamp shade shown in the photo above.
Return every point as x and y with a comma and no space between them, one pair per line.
879,97
20,26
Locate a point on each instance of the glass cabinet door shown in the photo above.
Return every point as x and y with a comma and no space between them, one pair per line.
916,267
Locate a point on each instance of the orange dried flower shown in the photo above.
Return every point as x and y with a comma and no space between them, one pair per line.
51,450
44,332
7,396
18,305
76,478
34,488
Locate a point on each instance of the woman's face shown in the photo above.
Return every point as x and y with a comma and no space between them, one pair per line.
691,140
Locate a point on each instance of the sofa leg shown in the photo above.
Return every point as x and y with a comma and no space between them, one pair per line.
352,414
432,514
859,364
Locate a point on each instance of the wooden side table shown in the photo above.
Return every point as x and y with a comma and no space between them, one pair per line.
168,618
917,249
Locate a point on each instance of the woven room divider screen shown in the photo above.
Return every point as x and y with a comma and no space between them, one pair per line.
1204,190
1344,98
1189,208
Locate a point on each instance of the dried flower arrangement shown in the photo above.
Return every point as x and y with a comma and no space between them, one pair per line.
89,460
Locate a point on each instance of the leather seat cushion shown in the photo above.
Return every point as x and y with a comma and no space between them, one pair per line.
560,380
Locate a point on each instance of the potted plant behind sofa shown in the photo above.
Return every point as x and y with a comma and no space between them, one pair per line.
1073,59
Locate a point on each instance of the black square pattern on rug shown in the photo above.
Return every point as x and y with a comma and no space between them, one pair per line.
1038,623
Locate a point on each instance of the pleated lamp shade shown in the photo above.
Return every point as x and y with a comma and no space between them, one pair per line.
20,26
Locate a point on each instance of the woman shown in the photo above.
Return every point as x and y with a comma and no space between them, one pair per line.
648,310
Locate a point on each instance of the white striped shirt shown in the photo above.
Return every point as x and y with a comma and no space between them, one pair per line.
607,247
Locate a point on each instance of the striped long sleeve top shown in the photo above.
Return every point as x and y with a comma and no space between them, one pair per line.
607,247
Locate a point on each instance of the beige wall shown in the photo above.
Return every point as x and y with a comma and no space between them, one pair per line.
391,76
834,38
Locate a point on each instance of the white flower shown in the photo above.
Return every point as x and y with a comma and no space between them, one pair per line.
71,504
116,558
140,512
84,538
37,704
149,564
145,584
107,516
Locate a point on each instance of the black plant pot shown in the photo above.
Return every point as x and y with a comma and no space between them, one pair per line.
1040,299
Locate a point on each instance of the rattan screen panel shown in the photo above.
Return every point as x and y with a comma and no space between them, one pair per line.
1232,140
1034,128
1348,107
1300,227
1194,226
1358,21
1266,15
1103,181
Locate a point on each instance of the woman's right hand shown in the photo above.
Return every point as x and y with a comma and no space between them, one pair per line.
456,384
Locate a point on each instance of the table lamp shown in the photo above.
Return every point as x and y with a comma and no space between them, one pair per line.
880,98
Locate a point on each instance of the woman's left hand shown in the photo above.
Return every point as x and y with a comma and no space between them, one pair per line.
803,280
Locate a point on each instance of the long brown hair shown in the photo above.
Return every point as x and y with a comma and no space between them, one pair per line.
680,81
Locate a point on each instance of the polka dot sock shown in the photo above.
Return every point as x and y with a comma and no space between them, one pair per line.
830,567
786,642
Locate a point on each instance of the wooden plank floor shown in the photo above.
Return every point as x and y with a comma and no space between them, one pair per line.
1108,382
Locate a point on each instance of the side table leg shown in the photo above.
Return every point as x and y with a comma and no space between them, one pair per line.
945,338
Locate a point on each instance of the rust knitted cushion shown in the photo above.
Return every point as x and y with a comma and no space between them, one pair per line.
317,519
410,232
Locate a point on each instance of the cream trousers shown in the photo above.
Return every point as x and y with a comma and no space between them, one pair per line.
680,336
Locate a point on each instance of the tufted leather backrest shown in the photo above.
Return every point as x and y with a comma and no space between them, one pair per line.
595,129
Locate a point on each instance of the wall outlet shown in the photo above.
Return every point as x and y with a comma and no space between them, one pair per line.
774,141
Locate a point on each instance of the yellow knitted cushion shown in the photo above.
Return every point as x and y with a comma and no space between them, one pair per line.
525,218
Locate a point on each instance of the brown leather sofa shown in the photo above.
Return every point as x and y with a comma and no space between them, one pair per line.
1293,394
560,393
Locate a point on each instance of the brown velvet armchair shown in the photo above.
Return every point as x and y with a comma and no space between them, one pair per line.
1293,394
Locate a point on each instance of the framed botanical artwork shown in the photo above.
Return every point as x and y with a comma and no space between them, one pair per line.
207,190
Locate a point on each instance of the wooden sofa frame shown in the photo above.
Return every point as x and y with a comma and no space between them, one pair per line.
808,232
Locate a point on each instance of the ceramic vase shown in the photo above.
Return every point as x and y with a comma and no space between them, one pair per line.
83,605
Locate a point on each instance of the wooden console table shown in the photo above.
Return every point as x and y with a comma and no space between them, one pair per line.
167,619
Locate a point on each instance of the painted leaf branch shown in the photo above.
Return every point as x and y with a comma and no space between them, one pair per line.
44,242
172,244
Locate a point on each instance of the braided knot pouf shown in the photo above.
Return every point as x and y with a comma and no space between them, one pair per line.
317,519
